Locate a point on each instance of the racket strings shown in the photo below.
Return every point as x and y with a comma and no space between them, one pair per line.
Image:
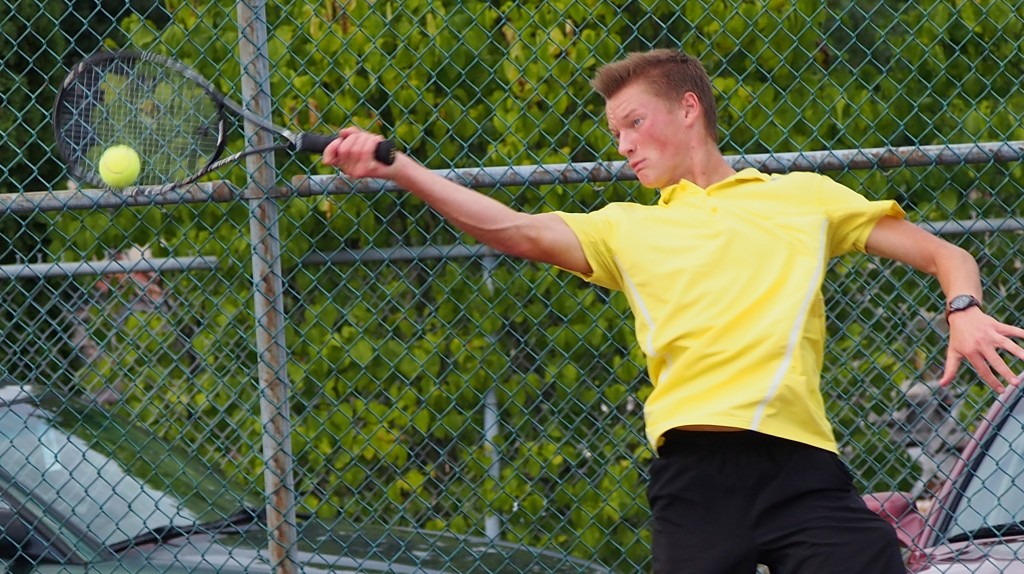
174,125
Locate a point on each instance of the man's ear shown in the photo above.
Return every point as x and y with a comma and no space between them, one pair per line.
691,106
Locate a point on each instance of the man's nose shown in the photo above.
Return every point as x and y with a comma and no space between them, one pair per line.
626,146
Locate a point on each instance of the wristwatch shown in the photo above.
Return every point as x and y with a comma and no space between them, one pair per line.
961,302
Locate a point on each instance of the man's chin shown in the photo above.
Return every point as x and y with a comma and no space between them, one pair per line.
650,183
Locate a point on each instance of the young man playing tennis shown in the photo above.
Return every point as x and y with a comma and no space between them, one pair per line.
724,278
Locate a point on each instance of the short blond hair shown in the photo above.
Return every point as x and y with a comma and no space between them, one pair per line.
669,74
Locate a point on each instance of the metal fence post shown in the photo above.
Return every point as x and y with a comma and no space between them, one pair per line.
268,303
492,419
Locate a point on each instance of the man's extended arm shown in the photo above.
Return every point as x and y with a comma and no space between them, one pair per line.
538,237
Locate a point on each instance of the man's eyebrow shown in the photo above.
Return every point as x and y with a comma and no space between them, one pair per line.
630,110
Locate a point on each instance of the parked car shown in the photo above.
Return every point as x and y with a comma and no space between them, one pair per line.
976,521
81,491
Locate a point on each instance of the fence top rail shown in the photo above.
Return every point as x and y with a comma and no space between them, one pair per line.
513,176
104,267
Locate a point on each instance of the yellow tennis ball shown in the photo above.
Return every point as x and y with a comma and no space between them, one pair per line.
119,166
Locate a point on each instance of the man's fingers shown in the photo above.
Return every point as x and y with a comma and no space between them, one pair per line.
1011,331
343,153
1012,348
981,364
997,363
952,366
986,374
348,131
366,146
330,155
1007,344
984,362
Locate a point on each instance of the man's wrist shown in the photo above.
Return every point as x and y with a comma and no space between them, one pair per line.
961,303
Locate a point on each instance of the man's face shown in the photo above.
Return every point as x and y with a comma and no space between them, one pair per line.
651,134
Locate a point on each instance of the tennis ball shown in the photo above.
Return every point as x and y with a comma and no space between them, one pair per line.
119,166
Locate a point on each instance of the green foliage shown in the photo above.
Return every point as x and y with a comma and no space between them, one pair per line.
29,51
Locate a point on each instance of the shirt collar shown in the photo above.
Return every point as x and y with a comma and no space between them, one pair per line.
684,187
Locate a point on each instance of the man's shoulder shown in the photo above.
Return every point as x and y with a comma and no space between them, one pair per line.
802,183
799,178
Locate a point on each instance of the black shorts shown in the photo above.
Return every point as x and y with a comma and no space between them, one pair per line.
723,502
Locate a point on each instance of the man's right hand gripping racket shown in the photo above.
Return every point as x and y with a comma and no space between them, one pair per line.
172,117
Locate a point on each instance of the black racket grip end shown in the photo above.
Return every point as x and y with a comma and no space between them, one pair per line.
315,143
385,152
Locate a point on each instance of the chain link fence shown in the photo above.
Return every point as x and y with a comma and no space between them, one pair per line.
382,395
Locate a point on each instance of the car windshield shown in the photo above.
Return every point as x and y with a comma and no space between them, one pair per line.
108,479
993,495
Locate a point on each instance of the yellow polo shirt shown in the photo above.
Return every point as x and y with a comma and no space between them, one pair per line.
725,288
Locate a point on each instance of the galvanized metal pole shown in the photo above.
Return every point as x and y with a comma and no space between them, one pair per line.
544,174
492,418
267,294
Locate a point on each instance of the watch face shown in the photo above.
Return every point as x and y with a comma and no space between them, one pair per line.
961,302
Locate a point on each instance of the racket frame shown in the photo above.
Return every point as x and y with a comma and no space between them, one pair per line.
296,141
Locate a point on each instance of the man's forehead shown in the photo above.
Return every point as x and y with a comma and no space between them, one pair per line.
629,100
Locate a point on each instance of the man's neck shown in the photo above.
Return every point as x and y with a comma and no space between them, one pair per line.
708,167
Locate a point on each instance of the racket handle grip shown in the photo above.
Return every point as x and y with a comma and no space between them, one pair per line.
385,152
316,143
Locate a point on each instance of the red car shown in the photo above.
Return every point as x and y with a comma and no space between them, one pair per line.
976,522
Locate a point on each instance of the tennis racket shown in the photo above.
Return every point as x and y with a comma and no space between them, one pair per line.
168,113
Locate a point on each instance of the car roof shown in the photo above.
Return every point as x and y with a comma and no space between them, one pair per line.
24,400
12,393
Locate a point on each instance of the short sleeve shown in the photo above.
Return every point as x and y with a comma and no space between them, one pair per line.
596,232
851,216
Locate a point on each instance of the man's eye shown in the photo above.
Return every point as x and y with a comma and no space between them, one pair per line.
638,122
